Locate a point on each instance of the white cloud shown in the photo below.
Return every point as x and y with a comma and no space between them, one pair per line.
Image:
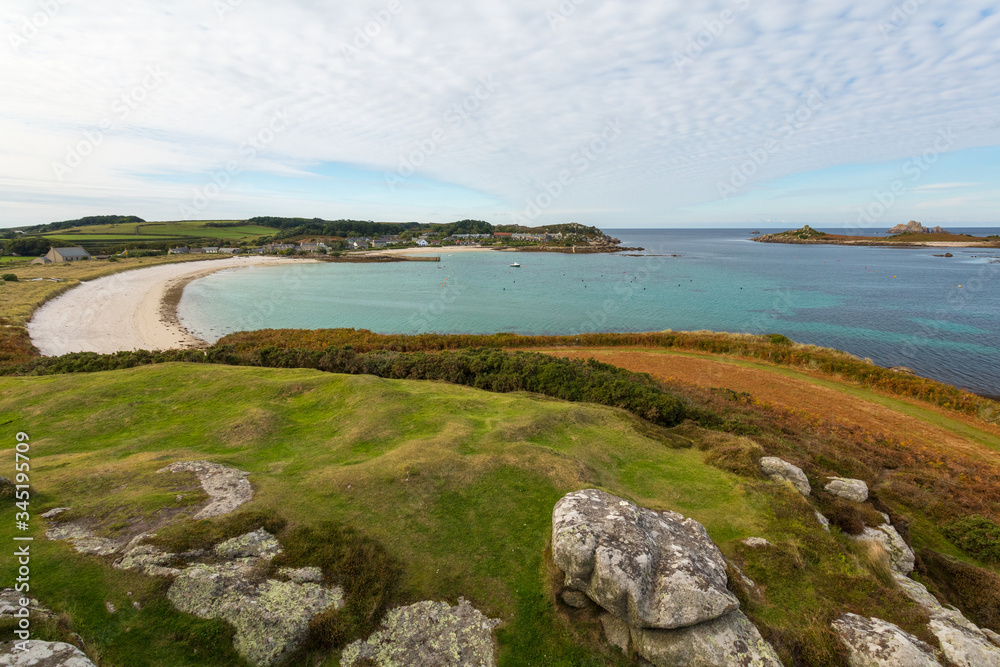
684,129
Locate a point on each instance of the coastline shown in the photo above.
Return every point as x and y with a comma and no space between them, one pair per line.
126,311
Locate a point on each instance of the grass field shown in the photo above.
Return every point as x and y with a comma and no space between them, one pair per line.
159,231
457,484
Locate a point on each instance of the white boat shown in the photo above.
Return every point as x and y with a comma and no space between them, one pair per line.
516,265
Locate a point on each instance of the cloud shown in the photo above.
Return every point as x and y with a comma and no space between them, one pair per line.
698,91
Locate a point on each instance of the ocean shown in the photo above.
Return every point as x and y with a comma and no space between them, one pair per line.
939,316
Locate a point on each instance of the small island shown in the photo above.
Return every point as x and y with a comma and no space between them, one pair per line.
911,235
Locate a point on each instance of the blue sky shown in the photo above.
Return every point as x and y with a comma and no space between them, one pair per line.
619,114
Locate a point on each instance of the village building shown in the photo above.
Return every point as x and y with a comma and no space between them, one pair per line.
62,255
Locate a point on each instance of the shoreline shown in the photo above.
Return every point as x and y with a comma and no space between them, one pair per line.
127,311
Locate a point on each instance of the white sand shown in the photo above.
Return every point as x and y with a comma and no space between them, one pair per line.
123,311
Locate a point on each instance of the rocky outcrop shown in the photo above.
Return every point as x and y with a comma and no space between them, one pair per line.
258,544
872,642
43,654
914,227
962,641
84,540
10,605
149,560
783,471
651,569
847,488
900,555
270,617
428,633
659,579
728,641
228,488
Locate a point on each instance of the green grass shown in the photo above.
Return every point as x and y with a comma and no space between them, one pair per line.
457,485
159,231
14,260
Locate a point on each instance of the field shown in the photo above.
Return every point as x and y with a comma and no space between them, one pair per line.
456,484
181,232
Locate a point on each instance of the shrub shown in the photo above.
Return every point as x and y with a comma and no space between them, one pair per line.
977,536
9,277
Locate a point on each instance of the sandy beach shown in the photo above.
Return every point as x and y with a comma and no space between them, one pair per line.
131,310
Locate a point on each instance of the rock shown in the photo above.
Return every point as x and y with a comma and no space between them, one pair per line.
651,569
900,555
149,560
617,632
83,540
43,654
872,642
914,227
228,488
992,636
53,513
850,489
110,606
270,617
10,603
728,641
428,633
576,599
962,641
783,471
756,542
302,575
258,544
823,521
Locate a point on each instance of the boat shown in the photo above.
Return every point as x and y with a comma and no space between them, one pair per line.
516,265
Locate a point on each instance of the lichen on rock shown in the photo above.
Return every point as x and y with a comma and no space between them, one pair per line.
428,633
228,488
43,654
652,569
872,642
270,617
782,471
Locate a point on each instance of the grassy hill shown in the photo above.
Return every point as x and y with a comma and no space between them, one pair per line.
457,486
180,232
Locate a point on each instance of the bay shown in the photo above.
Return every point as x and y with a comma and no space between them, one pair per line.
898,307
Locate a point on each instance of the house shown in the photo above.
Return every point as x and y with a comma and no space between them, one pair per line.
180,250
501,234
210,250
357,242
421,242
228,251
313,247
255,251
62,255
197,251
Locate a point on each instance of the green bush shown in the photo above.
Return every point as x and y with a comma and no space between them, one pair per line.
977,536
9,277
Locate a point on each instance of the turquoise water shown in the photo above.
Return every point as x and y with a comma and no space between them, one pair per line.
896,306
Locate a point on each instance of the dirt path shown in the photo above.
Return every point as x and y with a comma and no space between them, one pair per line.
911,421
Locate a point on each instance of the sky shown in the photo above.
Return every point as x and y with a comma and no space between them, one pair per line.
616,114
